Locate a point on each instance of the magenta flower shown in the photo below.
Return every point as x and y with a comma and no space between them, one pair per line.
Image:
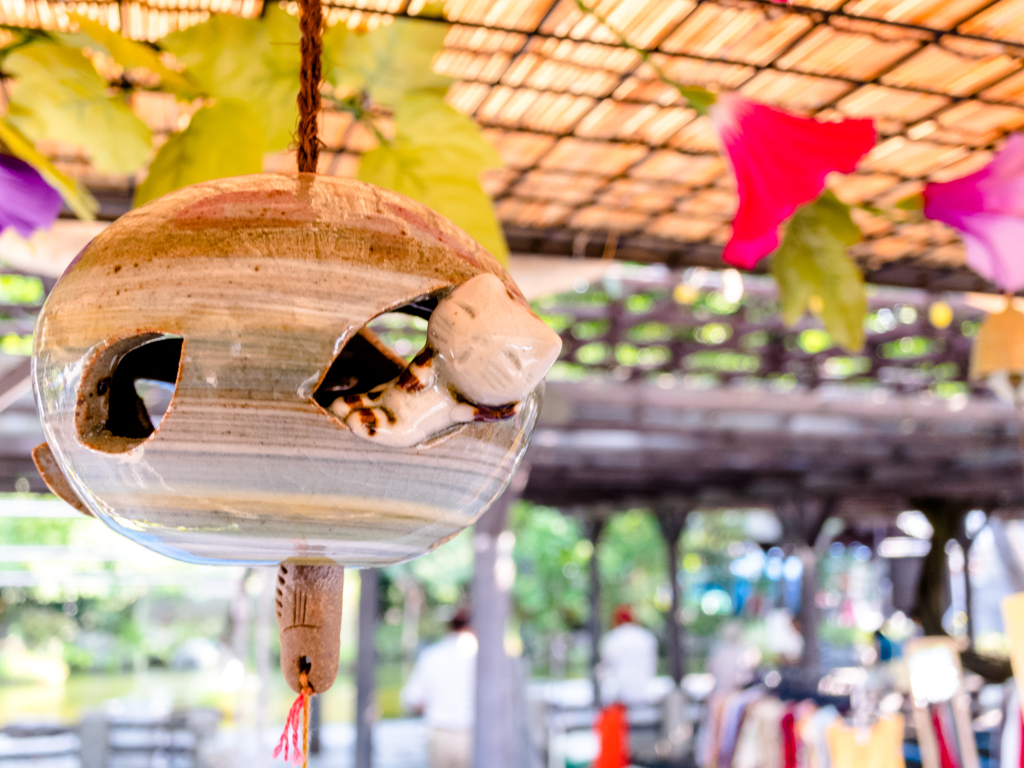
780,162
27,203
987,207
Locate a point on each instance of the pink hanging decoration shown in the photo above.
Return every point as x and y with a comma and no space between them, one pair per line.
780,162
987,207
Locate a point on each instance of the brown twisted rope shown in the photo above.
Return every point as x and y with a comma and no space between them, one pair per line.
311,23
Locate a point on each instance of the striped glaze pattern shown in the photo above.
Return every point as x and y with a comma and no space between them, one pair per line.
265,278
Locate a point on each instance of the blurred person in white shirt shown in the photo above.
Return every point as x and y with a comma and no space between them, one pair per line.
629,657
442,687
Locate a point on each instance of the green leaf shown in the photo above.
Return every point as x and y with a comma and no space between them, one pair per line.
130,54
813,261
250,60
225,139
75,195
391,62
61,97
913,202
436,157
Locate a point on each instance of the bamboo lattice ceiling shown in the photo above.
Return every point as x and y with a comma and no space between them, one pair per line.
595,144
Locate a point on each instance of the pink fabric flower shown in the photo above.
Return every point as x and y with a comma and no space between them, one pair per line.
780,162
987,207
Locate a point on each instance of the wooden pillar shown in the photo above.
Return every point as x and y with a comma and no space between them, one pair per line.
594,528
802,522
672,519
264,657
810,614
965,545
494,743
946,518
366,666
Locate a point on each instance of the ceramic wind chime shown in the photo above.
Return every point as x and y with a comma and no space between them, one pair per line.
294,436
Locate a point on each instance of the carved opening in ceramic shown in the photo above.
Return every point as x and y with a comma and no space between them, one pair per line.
483,351
126,391
378,353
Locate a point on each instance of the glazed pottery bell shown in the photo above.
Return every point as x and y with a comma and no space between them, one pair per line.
293,435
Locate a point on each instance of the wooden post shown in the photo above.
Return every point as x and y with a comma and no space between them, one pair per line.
810,614
366,663
494,738
264,659
945,516
802,522
672,519
594,528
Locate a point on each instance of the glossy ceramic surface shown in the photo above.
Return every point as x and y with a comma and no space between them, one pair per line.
265,279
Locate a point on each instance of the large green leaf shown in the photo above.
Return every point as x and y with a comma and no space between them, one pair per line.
61,97
391,62
130,54
436,157
251,60
225,139
813,261
75,195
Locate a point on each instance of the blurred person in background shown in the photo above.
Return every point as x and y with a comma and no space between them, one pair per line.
442,687
733,658
785,643
629,657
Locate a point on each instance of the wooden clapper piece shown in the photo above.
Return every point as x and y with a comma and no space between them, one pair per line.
308,602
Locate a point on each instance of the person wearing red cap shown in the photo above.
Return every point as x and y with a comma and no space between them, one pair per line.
629,657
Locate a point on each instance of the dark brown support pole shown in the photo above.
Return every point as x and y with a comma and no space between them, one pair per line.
946,518
594,528
366,666
802,522
494,742
965,545
672,519
810,614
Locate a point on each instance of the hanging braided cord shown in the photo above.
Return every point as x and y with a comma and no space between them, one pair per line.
311,23
299,710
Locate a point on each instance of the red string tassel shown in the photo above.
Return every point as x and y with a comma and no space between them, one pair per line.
299,709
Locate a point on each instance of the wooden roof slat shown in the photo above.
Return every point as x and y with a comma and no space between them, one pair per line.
605,218
937,68
602,158
911,158
645,23
753,35
530,213
856,55
1003,21
567,188
941,14
558,95
801,93
685,169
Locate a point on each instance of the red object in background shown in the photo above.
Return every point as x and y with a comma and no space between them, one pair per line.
780,162
613,731
789,742
622,614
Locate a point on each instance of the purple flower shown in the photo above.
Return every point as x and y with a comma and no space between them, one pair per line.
987,207
27,202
